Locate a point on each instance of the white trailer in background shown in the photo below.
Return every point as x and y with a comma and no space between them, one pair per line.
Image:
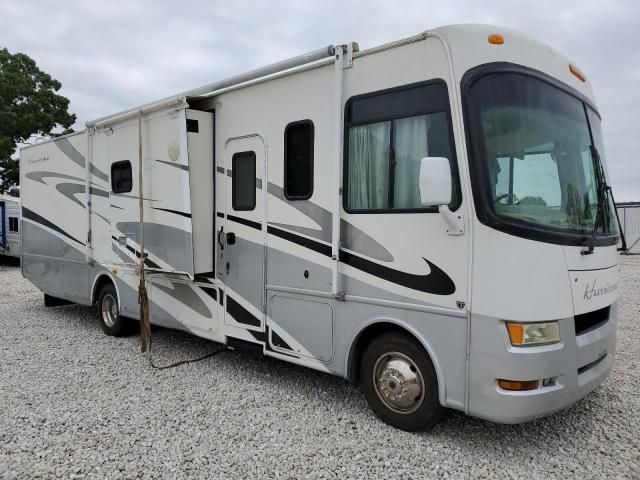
427,218
9,226
629,213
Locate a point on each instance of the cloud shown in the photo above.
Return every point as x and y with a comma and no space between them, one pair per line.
114,55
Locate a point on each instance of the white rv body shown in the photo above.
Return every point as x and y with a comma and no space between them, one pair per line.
10,226
447,279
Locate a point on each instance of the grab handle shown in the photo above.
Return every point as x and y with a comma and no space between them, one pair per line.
220,238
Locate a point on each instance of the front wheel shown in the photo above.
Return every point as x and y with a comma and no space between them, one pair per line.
399,382
108,313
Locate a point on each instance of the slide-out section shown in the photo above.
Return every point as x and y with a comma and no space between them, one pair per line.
201,173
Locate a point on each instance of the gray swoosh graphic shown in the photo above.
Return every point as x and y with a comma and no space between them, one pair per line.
75,156
69,190
172,245
316,213
39,176
352,237
98,193
185,295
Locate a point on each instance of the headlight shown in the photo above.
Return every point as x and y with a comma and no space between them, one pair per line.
530,334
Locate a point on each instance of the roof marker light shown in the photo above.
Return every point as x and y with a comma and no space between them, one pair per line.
496,39
576,71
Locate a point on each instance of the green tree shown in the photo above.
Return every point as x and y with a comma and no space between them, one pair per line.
29,105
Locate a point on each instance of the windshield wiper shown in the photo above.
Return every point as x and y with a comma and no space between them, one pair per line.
602,190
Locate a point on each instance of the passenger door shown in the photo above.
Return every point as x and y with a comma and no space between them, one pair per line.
241,234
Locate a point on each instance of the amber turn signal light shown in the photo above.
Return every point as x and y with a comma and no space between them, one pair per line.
496,39
576,72
519,385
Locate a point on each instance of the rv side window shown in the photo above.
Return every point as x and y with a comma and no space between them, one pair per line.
13,224
121,178
298,160
388,133
244,181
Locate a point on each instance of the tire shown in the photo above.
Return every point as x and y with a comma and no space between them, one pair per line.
107,311
405,394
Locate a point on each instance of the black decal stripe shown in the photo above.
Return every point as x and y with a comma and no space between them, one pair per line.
260,336
147,262
279,342
240,314
173,164
133,197
34,217
211,292
221,298
176,212
263,336
205,277
436,282
220,214
244,221
302,241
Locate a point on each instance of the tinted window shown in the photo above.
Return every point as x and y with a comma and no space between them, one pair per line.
298,160
244,181
388,135
398,103
121,179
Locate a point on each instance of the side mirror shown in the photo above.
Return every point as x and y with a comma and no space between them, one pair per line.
435,181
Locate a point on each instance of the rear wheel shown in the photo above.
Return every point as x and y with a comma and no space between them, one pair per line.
108,312
399,382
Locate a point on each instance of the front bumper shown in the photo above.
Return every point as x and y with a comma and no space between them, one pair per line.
572,368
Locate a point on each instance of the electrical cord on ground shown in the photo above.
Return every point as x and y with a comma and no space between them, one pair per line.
183,362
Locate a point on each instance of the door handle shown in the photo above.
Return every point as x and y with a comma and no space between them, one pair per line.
220,238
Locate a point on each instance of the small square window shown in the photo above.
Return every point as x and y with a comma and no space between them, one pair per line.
121,177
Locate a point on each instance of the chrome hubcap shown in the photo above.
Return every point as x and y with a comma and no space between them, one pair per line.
109,310
399,383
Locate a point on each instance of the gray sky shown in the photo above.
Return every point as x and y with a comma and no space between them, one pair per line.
117,54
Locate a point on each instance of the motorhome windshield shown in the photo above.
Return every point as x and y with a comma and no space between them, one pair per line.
535,150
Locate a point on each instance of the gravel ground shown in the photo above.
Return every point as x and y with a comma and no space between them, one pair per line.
75,404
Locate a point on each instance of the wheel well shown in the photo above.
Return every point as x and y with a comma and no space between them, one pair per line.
363,340
100,283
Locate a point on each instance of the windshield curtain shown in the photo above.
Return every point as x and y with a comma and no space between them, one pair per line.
533,143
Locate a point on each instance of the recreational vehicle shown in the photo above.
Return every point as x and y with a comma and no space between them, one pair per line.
428,218
9,226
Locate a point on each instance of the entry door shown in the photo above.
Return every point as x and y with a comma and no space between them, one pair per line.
241,237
